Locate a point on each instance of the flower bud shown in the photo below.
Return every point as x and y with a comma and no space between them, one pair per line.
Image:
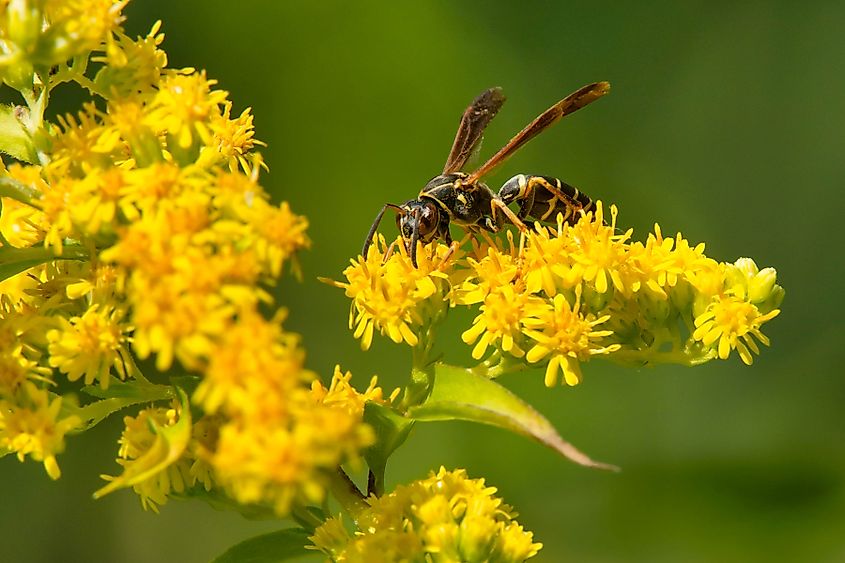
747,266
478,535
23,23
594,300
655,311
761,285
774,299
19,75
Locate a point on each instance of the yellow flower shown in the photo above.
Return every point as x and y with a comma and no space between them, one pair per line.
158,183
126,123
647,296
734,323
50,32
56,203
393,296
131,68
31,425
155,466
281,233
16,368
234,139
497,268
341,394
91,344
568,337
81,25
175,322
162,184
446,517
184,107
98,196
83,142
599,251
662,262
500,321
547,258
283,446
254,358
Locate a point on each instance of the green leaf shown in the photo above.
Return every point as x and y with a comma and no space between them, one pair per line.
284,545
391,430
14,138
13,260
119,395
136,390
460,395
170,442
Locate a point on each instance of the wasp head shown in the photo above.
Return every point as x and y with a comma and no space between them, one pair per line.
418,222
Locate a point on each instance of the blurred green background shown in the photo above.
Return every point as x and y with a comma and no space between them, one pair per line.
725,122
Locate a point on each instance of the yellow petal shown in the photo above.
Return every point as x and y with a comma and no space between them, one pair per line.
551,372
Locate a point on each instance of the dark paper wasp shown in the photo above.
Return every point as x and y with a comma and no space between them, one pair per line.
462,199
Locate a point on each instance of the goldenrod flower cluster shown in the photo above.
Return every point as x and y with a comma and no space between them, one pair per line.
445,517
136,229
565,293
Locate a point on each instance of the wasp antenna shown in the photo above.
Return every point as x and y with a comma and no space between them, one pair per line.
375,225
415,236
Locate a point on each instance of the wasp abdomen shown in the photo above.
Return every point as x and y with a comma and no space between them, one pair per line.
543,197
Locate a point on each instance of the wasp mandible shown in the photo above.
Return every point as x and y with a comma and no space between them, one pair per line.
462,199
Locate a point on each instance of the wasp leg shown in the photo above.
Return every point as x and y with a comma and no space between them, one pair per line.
487,238
573,202
496,202
526,204
453,247
389,252
375,225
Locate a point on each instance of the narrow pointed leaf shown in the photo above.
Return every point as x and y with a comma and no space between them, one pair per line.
16,260
284,545
460,395
170,443
117,396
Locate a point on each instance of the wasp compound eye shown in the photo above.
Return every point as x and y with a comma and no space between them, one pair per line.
428,220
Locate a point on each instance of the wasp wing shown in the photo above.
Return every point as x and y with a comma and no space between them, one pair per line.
475,119
569,104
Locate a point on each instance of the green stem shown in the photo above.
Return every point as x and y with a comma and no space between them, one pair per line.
504,367
11,188
76,73
347,494
649,356
422,371
37,103
497,365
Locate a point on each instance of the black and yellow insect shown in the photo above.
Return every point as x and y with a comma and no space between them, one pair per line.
462,199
